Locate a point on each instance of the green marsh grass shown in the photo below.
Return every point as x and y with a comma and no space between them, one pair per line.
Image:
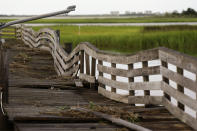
127,39
113,20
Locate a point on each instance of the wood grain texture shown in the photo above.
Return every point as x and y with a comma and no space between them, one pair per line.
156,100
180,79
112,95
180,114
130,73
184,99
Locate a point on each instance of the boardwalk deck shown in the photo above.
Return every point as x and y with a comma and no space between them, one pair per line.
39,100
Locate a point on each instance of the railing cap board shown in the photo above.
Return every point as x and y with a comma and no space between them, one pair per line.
118,58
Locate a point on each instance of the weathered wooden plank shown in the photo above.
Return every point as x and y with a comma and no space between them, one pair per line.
180,114
179,96
119,58
71,71
112,83
156,100
87,78
130,86
60,60
61,51
179,59
181,80
145,85
75,51
112,95
113,119
66,126
58,66
129,73
72,62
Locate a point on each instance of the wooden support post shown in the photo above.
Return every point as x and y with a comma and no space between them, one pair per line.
100,62
131,79
82,62
166,80
180,88
93,70
87,59
146,79
113,77
87,64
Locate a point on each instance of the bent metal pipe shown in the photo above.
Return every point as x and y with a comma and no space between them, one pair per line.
69,9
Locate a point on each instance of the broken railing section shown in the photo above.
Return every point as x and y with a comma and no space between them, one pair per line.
88,63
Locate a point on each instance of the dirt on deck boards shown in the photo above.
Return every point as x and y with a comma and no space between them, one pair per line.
39,100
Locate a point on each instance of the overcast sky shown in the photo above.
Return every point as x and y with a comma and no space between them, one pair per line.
28,7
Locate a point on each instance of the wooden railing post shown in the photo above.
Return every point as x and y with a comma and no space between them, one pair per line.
113,77
93,70
82,62
100,62
87,64
146,79
166,80
180,88
131,79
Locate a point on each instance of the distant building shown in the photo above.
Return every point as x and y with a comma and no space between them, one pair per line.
148,12
139,13
115,13
158,13
133,13
127,12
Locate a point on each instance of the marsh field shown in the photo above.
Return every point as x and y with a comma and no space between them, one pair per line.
156,19
127,39
130,39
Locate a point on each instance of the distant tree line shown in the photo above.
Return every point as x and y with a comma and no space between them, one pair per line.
189,12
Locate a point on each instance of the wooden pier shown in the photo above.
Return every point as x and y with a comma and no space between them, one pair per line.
41,94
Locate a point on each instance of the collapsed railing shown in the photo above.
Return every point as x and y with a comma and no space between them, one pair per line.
87,62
